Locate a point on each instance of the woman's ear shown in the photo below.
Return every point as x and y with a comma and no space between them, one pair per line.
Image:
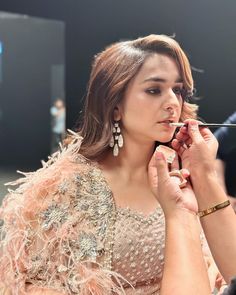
117,113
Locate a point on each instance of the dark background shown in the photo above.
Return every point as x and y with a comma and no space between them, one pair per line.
32,59
206,29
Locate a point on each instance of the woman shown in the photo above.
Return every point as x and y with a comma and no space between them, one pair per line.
88,222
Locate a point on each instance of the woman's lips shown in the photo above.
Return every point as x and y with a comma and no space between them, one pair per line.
167,122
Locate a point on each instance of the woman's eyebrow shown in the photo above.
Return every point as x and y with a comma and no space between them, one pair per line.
162,80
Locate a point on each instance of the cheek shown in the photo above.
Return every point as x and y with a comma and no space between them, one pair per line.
136,116
135,107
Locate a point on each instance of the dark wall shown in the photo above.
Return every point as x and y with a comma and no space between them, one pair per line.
205,28
28,57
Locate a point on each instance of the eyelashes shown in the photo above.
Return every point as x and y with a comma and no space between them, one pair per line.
153,91
157,91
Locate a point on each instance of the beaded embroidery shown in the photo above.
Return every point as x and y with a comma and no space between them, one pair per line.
61,230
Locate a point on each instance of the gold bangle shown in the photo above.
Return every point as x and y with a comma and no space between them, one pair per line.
213,209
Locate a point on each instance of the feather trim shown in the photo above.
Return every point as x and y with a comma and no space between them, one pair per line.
52,235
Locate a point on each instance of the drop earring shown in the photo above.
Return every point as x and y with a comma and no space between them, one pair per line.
116,141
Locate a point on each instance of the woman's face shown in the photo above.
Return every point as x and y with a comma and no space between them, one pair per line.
152,100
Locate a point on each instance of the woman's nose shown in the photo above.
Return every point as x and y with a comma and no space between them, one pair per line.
170,110
171,103
171,99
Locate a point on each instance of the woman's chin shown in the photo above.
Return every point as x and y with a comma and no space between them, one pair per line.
164,139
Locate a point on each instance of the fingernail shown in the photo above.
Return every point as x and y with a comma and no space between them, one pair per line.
193,125
184,129
159,156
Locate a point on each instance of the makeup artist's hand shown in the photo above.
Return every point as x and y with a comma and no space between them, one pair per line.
170,196
152,171
197,147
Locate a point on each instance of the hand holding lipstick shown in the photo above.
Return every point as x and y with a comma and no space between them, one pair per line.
196,146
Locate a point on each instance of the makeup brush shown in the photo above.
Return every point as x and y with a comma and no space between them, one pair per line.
211,125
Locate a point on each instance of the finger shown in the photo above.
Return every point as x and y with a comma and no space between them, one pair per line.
175,144
188,141
182,136
182,139
203,129
185,172
194,132
175,163
182,131
178,147
206,132
183,143
161,166
152,162
152,172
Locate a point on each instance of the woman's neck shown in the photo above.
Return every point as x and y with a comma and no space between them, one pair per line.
133,158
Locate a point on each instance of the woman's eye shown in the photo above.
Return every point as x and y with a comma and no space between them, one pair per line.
153,91
177,90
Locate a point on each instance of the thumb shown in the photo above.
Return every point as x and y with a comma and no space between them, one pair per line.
161,165
194,132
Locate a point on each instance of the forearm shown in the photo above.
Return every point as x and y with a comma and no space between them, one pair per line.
220,171
220,226
208,189
183,257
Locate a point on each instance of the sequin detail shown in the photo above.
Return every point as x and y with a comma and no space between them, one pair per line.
54,216
140,240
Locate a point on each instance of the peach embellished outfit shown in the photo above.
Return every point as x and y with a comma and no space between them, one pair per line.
61,230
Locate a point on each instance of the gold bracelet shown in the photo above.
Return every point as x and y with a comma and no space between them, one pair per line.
213,209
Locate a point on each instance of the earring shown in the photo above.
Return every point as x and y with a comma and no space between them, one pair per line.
117,140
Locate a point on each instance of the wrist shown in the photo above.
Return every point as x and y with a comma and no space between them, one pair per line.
202,179
183,221
214,208
203,174
208,191
180,214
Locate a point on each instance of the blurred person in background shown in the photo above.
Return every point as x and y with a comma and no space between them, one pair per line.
58,113
226,158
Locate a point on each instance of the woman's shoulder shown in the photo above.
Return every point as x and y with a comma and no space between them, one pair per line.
67,177
66,208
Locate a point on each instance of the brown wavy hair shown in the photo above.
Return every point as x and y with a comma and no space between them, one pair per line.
112,71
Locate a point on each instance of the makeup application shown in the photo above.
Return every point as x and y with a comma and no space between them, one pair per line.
211,125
